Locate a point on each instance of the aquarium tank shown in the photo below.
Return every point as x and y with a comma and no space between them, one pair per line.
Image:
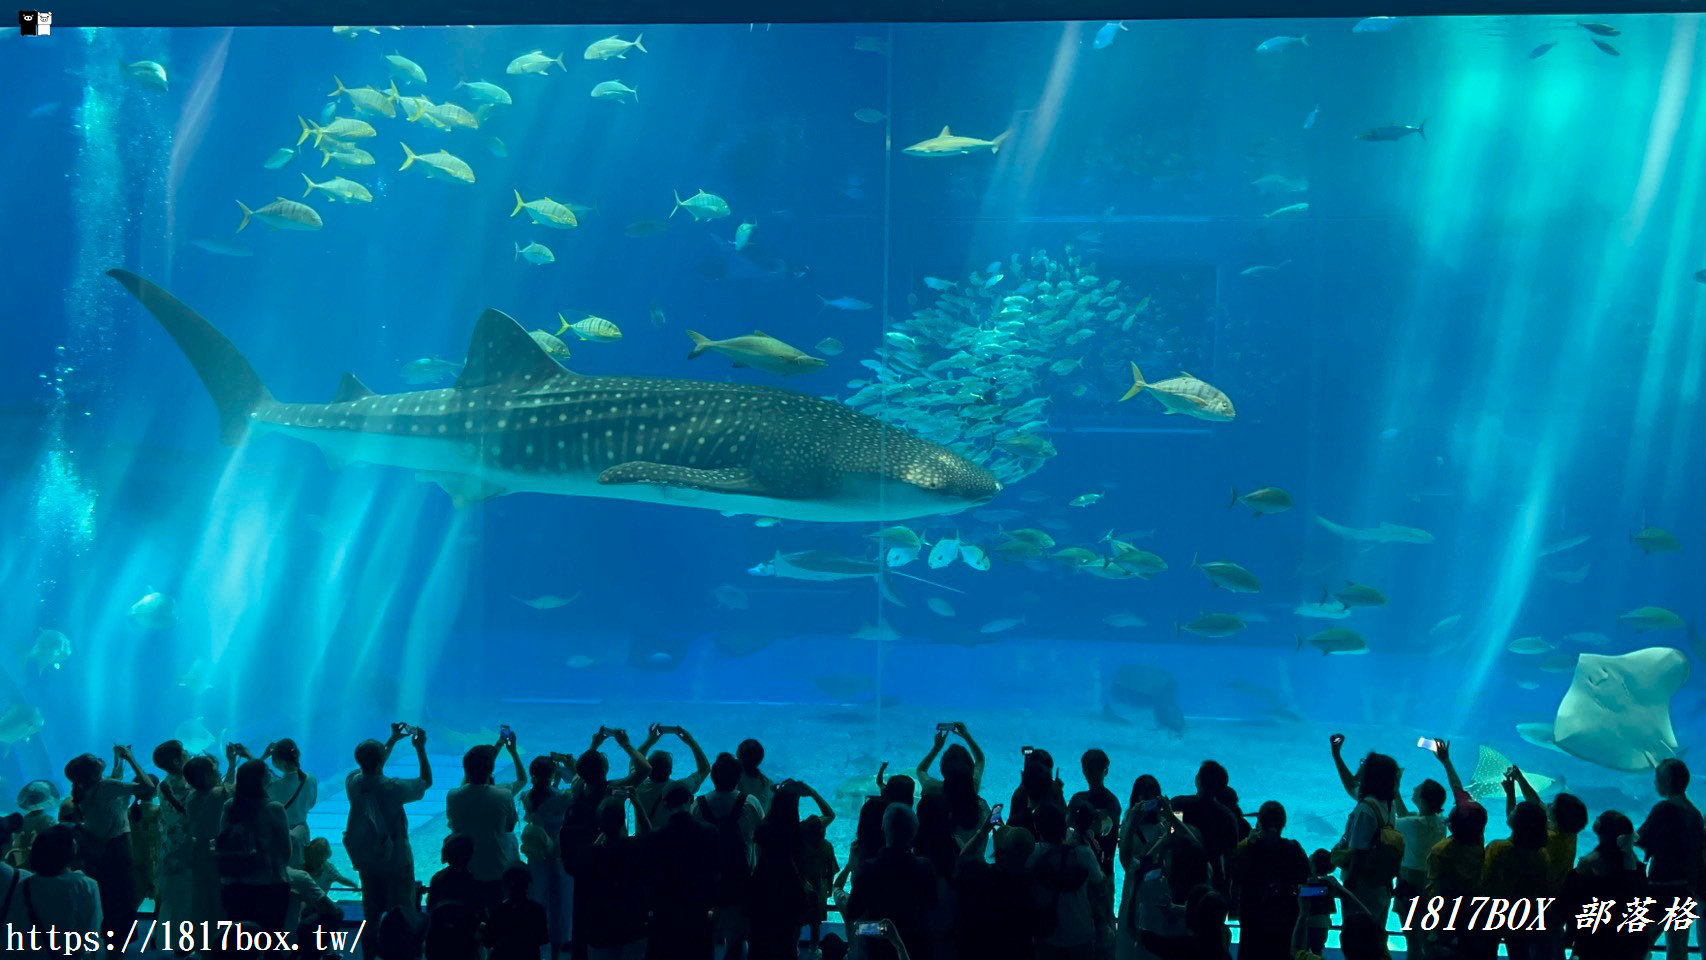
1182,389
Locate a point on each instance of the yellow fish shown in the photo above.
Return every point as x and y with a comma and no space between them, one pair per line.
546,212
596,329
367,99
442,165
1184,394
338,188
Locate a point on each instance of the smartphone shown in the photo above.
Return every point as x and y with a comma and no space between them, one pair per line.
505,733
1027,751
1311,891
868,928
944,728
604,731
622,792
995,815
403,729
1149,806
1430,745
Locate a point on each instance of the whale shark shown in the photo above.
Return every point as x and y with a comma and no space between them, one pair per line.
517,421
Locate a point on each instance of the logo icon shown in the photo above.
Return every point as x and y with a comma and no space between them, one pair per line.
35,23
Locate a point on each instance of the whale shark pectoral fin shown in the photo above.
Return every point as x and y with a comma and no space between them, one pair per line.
464,490
735,480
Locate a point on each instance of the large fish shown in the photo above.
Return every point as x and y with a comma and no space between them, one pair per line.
517,422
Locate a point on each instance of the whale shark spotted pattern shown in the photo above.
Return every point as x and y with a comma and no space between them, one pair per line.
516,421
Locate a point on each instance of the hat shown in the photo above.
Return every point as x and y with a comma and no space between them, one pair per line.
38,795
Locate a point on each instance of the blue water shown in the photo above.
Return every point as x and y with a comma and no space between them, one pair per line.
1492,334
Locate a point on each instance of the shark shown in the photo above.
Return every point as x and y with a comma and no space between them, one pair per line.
517,421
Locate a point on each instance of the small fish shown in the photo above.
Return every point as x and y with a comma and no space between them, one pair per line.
1446,625
766,522
442,165
1651,618
759,351
1276,44
497,147
1229,577
146,72
869,115
1290,210
1309,121
1261,269
1124,620
1322,611
596,329
279,158
557,349
657,314
220,249
613,47
1085,499
1333,640
1606,48
829,347
701,206
548,601
346,156
337,189
429,370
939,607
282,214
974,556
616,90
155,611
1653,540
1394,131
1529,646
937,283
52,648
1600,29
367,99
535,63
546,212
407,69
1105,36
1376,24
1357,595
845,303
1001,625
340,129
535,252
484,92
645,228
1211,625
1265,500
1542,50
743,234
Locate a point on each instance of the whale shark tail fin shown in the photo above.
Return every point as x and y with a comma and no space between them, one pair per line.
230,379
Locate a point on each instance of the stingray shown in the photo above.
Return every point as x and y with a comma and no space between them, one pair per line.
1489,776
1617,711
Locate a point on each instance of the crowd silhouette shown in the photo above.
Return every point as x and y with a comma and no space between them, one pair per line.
564,858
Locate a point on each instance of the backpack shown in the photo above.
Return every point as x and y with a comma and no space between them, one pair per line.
1377,865
368,842
733,868
237,851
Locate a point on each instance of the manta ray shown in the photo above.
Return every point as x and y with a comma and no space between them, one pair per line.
1617,710
516,421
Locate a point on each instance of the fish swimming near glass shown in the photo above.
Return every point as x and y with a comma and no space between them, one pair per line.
516,421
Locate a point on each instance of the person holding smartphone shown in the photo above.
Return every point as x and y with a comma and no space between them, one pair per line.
1267,869
649,793
376,835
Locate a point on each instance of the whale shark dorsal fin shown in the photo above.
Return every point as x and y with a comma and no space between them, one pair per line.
501,352
945,131
350,388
